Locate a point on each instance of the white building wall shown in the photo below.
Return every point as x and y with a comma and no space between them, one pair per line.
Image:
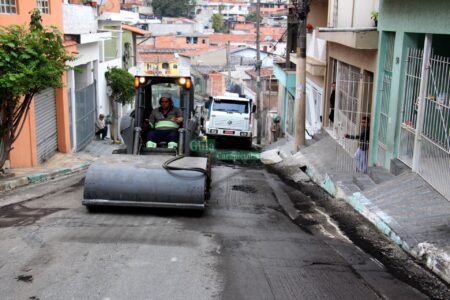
316,48
185,66
102,95
363,13
267,60
79,19
164,29
345,12
352,13
314,106
86,53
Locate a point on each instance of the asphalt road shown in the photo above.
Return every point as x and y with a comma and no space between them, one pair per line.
243,247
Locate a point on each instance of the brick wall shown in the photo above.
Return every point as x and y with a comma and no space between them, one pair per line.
216,84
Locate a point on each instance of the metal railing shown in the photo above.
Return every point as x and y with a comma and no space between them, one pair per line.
354,91
385,98
434,142
85,109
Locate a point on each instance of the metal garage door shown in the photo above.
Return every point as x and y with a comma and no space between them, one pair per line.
85,116
45,116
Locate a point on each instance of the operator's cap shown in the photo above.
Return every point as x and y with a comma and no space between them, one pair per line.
166,95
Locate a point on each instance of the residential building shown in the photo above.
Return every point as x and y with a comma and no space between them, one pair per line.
215,84
230,9
171,26
200,63
114,52
179,42
352,43
81,27
222,39
131,5
285,72
246,56
142,7
268,97
160,53
46,127
129,39
160,64
63,119
412,99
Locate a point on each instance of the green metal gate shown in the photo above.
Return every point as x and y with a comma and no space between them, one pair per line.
85,116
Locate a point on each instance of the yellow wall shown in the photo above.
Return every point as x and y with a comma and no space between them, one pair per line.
149,67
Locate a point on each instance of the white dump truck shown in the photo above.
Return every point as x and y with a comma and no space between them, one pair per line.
230,117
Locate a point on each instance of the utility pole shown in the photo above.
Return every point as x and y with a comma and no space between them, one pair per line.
302,10
258,79
228,62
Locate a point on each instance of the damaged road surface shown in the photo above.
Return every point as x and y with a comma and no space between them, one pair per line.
250,243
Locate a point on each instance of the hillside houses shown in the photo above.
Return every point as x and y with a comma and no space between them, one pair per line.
187,49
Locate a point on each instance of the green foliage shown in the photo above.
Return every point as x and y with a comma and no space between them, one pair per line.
121,84
374,15
173,8
217,23
31,59
251,17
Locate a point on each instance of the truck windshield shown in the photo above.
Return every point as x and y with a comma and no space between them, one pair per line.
231,106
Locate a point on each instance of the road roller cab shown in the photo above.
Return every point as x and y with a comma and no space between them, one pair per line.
136,128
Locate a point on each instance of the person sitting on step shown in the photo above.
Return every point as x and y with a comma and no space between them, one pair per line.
101,130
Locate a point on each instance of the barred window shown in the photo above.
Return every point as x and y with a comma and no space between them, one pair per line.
43,6
8,7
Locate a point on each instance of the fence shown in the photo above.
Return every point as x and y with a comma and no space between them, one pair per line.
385,98
85,112
353,102
433,157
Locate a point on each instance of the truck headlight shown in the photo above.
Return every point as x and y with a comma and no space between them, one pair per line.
213,131
245,133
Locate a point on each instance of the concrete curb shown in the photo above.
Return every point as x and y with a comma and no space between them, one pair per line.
436,260
16,182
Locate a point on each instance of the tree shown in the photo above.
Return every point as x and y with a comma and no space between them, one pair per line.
174,8
31,60
217,23
251,17
121,89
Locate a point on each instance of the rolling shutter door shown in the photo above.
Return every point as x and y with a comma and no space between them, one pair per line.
45,116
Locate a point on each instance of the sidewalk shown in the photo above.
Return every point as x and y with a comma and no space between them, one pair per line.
404,207
58,165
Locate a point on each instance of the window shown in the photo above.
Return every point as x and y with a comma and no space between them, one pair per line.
230,106
111,47
203,41
43,6
8,7
195,40
175,66
165,65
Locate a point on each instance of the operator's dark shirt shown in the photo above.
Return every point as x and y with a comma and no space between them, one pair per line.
363,137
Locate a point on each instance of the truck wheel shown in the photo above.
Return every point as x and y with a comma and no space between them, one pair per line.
248,144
